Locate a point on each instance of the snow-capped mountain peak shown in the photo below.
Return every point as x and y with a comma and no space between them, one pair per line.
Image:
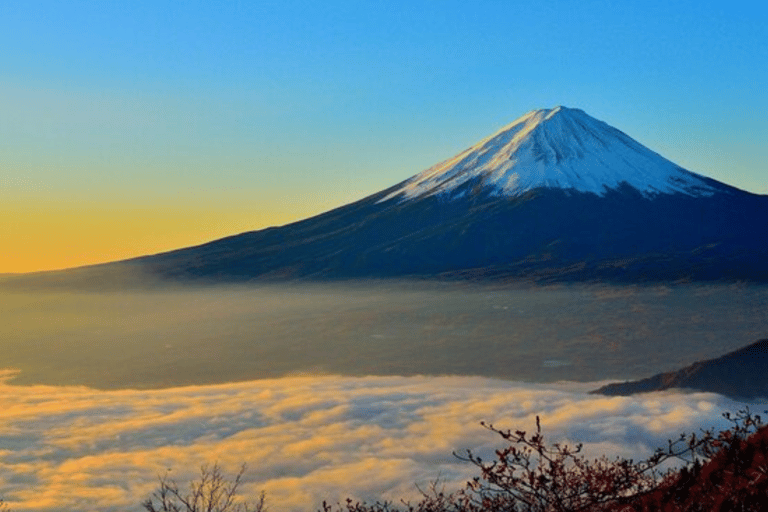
555,148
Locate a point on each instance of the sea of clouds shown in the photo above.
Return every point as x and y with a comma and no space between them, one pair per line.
306,439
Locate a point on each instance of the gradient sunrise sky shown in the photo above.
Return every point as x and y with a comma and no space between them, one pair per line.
134,127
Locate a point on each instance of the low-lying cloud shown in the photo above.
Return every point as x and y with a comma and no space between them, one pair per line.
305,439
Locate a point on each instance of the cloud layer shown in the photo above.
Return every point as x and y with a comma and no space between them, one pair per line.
304,439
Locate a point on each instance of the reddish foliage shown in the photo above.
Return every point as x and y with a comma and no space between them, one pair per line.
735,478
723,472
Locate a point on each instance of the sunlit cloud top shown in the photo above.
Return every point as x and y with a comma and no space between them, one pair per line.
306,439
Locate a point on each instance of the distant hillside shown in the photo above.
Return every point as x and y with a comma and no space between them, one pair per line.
739,374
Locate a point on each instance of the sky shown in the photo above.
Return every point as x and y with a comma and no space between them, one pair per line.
129,128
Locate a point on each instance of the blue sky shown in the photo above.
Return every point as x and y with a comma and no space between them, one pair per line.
258,113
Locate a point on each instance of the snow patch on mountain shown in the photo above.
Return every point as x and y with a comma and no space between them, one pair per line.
556,148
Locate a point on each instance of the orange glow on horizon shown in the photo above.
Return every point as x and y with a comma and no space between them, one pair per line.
56,236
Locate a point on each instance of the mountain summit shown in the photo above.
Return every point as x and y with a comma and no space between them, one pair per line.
556,148
554,196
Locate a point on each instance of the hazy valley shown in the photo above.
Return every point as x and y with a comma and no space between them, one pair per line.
209,335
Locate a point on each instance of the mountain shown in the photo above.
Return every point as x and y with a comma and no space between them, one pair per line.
555,195
738,374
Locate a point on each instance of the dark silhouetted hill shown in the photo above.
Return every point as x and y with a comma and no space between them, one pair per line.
739,374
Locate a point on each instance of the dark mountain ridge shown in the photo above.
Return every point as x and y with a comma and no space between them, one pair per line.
620,236
741,374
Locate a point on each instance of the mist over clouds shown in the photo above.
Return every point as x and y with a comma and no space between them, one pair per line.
305,439
188,336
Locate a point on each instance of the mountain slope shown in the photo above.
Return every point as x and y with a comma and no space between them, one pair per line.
556,195
738,374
